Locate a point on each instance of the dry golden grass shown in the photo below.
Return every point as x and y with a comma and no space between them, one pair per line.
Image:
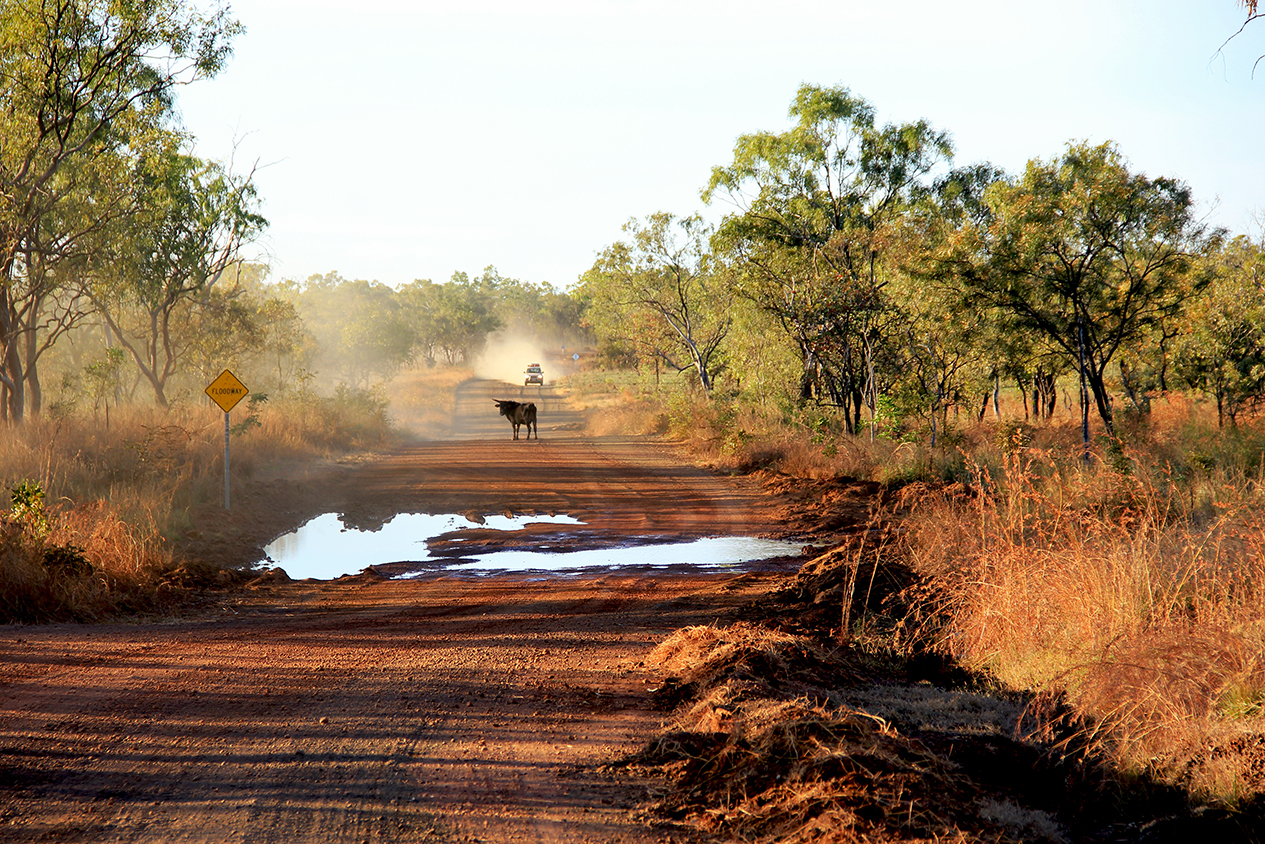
623,414
423,399
726,435
88,564
1133,598
112,495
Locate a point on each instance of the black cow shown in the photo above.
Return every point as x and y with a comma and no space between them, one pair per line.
519,413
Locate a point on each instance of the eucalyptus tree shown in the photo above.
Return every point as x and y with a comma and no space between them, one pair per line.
243,324
660,293
815,210
934,356
1222,348
81,82
49,290
288,345
197,217
375,339
1084,253
45,298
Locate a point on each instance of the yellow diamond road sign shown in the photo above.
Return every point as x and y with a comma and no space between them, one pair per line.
226,391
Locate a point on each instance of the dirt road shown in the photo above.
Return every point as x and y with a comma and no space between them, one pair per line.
370,709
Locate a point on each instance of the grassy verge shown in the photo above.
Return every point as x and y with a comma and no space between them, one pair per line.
94,504
1126,592
1133,597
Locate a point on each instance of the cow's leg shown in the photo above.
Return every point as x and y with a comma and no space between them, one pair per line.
515,424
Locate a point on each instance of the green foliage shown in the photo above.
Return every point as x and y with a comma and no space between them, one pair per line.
1081,252
86,105
66,561
452,321
254,405
195,217
26,507
1242,700
362,414
660,296
538,311
888,421
613,353
814,240
1222,351
243,324
361,332
103,377
1234,452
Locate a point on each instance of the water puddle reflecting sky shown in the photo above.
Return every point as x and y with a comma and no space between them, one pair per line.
711,552
325,548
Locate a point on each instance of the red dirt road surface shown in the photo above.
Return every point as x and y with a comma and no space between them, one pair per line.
368,709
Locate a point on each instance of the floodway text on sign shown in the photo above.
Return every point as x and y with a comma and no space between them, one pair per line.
226,391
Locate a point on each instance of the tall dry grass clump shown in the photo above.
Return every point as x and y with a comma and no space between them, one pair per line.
152,465
85,535
85,563
111,495
1136,598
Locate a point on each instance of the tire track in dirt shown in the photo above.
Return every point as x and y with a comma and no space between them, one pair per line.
386,718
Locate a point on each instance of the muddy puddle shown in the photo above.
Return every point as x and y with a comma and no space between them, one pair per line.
419,544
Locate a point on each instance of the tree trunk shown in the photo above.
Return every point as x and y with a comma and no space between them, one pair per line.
1044,395
35,395
807,379
1084,393
1139,400
17,395
12,362
1103,401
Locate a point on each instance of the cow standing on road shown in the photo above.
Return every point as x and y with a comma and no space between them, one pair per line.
519,413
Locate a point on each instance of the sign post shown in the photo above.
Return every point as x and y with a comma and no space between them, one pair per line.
226,391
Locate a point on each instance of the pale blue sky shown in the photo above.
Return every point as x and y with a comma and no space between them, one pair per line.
404,140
